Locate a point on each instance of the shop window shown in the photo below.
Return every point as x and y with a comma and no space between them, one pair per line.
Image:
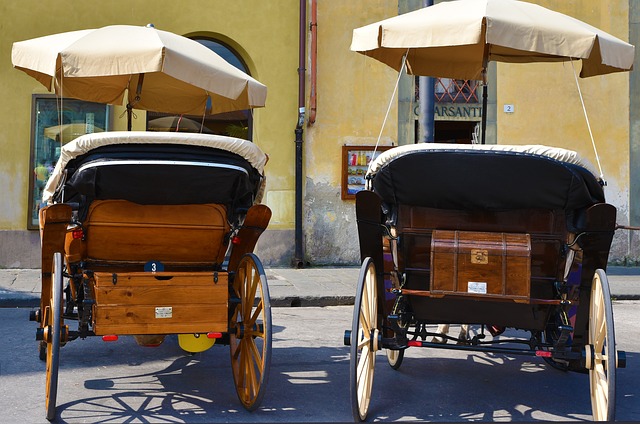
56,122
234,124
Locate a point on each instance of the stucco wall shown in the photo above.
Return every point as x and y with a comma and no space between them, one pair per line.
353,96
264,33
548,109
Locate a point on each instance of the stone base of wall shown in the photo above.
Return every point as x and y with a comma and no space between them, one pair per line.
20,249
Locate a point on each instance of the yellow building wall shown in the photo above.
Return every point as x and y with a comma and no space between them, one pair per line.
353,91
265,33
353,95
548,108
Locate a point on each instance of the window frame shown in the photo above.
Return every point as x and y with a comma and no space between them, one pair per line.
37,140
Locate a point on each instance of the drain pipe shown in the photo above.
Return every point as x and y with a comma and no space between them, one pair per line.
299,250
313,28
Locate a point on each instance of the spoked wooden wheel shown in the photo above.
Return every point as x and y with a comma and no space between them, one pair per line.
53,334
601,350
364,342
250,328
395,357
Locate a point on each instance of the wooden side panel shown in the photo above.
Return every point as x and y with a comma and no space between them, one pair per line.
255,222
117,230
160,303
54,220
481,264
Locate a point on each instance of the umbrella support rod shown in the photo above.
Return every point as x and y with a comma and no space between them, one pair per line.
393,95
586,117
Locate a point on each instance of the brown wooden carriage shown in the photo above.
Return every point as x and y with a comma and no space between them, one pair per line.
491,236
150,234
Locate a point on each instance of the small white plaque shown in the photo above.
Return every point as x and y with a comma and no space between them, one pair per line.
164,312
477,287
509,108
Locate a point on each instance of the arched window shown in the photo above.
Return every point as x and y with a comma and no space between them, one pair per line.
235,124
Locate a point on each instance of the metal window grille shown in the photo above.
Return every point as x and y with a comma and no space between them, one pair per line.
449,90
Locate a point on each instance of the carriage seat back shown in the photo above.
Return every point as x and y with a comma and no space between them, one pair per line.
119,230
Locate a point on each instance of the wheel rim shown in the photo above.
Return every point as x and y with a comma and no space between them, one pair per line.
53,316
250,338
602,372
364,343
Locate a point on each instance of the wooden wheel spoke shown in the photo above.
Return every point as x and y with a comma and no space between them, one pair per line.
363,342
365,324
248,381
53,334
602,374
253,318
250,350
363,363
255,354
244,362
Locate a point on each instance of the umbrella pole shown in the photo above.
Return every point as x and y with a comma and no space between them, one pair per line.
484,113
129,113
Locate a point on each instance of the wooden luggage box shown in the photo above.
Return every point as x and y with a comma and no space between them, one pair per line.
118,230
160,303
481,264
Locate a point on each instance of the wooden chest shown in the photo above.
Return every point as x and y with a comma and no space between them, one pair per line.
481,264
160,303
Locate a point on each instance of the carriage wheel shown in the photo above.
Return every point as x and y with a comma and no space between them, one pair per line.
250,337
395,357
364,343
601,350
53,334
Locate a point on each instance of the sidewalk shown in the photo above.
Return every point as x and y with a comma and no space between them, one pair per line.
319,286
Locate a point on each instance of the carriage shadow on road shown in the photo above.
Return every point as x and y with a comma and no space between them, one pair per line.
309,381
441,386
169,386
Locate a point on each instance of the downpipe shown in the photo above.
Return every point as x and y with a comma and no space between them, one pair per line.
299,251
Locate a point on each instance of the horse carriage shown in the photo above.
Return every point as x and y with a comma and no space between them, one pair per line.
493,236
151,234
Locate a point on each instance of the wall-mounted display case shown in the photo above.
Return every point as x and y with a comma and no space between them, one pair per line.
355,161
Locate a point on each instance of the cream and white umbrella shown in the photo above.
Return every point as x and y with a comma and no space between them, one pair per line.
456,39
142,67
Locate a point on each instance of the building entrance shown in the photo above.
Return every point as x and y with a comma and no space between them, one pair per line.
457,132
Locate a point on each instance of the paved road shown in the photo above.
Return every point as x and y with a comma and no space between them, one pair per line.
309,381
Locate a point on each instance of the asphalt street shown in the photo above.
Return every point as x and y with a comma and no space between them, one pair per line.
309,379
